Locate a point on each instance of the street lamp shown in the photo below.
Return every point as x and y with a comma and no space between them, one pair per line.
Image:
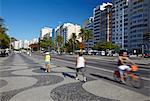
142,50
123,28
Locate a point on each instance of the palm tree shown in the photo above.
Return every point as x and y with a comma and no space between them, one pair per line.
4,38
59,40
88,36
146,39
82,34
2,28
73,38
85,35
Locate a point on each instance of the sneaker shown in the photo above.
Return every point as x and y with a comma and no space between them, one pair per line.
76,78
123,81
84,79
45,71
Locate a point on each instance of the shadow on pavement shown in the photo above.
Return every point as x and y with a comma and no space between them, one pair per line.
68,75
71,67
104,77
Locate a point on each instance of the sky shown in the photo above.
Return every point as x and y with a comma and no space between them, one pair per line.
25,18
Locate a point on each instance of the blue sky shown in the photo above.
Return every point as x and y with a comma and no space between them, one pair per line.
25,18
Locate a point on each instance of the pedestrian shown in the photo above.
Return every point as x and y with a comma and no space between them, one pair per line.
80,66
47,59
123,62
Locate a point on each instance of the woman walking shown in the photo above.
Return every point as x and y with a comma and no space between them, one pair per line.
80,66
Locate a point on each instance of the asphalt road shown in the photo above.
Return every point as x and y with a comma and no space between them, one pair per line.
102,69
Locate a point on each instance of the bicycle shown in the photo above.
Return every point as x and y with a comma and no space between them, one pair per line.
131,77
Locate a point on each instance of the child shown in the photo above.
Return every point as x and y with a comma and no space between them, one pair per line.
47,60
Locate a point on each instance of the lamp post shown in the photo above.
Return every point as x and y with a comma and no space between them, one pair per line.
142,50
123,28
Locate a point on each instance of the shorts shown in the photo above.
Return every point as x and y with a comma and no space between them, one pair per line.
123,68
81,69
121,72
47,62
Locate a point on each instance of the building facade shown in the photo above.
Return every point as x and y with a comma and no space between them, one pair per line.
120,23
88,24
66,30
102,24
17,44
26,44
46,32
139,25
131,24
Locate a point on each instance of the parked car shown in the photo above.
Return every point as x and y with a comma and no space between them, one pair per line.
132,55
147,54
4,52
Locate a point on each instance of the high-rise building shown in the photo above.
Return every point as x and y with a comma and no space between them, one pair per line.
46,32
131,24
120,23
17,44
26,44
102,27
139,24
34,41
66,30
88,24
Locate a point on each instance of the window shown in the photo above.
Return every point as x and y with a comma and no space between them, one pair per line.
137,16
140,1
125,24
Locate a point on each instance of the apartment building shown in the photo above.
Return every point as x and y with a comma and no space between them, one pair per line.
88,24
120,23
131,24
66,30
46,32
17,44
139,25
102,24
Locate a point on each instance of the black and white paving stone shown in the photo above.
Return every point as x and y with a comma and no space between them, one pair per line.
21,79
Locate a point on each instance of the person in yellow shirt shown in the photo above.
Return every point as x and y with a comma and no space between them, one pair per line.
47,60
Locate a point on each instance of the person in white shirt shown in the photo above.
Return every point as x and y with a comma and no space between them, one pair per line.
80,66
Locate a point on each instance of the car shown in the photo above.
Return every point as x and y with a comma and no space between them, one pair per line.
147,54
4,52
132,55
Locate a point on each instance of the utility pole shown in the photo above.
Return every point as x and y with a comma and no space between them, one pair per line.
142,50
123,28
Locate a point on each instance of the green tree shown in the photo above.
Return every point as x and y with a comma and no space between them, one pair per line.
59,41
69,45
88,36
104,46
13,39
146,36
46,43
146,40
85,35
73,40
4,38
